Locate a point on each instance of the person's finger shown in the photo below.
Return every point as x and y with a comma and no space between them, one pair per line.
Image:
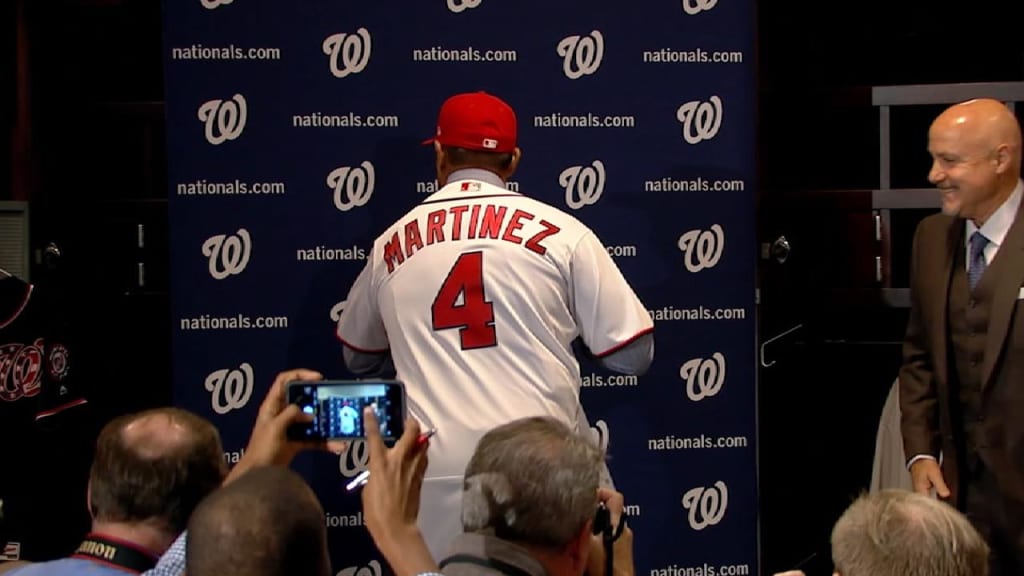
615,503
410,439
940,483
612,498
291,414
276,398
304,374
374,443
420,470
416,485
922,484
337,446
919,477
420,462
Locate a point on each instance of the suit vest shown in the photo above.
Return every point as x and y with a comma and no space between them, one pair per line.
968,327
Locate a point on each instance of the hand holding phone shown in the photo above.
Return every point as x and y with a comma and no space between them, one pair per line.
337,408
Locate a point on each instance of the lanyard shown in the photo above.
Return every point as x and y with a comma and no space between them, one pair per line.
496,565
116,552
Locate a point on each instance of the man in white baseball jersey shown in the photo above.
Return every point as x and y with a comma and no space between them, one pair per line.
348,418
477,294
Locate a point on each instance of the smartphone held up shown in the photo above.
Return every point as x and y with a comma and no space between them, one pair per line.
337,408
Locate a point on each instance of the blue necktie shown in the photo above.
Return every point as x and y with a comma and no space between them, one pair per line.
977,265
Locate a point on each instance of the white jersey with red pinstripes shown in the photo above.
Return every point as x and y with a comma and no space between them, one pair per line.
478,294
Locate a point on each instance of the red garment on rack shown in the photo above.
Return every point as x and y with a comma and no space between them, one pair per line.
36,385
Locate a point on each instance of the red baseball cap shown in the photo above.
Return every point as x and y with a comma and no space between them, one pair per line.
476,121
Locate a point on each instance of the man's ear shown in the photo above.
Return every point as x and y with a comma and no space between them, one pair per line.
1003,158
579,548
88,498
440,160
513,163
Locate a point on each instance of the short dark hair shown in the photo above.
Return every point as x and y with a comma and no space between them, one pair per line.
465,158
268,522
138,479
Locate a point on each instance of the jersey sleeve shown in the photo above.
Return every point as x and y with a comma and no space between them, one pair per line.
360,326
609,314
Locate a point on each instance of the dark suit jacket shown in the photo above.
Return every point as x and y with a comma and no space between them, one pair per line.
925,395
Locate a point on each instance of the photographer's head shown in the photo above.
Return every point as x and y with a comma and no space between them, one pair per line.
267,522
900,533
534,482
150,471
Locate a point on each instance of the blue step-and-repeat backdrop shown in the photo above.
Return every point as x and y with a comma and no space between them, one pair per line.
294,133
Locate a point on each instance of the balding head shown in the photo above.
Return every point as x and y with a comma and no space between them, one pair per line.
976,152
983,122
266,523
901,533
154,467
155,434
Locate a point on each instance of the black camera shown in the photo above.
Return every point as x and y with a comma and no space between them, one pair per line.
602,519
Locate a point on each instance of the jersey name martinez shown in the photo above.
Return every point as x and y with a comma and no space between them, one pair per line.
467,222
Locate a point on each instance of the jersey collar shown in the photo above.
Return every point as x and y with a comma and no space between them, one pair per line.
477,174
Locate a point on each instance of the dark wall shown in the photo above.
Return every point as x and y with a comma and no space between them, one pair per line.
97,152
816,59
92,167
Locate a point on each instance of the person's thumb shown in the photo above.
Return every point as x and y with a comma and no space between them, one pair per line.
371,429
291,414
922,484
940,484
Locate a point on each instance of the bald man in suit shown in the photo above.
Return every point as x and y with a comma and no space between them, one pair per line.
962,379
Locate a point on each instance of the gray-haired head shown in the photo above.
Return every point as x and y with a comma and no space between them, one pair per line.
532,481
900,533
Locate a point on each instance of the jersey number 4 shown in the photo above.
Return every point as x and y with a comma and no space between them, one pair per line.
461,303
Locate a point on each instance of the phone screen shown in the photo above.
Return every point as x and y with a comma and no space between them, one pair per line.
337,408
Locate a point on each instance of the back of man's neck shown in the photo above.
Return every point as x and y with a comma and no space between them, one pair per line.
145,536
554,563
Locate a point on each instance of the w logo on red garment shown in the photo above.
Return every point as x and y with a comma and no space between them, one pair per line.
21,366
371,569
